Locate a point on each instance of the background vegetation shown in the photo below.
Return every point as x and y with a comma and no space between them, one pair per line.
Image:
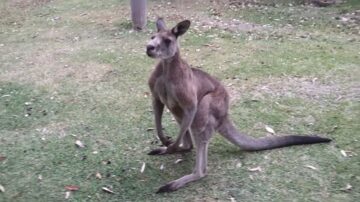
75,71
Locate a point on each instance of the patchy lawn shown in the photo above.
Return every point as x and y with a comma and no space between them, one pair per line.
74,70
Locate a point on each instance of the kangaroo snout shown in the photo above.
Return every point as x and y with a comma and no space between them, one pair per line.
150,50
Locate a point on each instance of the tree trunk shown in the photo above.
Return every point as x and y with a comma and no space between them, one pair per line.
138,14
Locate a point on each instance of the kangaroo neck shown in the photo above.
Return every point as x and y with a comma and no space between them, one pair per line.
173,64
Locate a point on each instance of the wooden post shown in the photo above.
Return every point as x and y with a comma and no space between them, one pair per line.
138,14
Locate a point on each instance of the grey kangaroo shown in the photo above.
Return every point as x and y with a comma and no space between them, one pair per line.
200,104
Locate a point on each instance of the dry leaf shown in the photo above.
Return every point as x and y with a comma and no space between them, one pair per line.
238,165
146,94
311,167
251,177
106,162
162,167
2,189
150,129
72,188
105,189
347,188
67,194
2,158
255,169
348,153
142,167
232,199
98,175
343,152
178,161
269,129
79,144
40,177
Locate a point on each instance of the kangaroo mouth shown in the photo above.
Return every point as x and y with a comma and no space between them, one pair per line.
150,54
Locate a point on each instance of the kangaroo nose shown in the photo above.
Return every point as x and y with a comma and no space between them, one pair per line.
150,48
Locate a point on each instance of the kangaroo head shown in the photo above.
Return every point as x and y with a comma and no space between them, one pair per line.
163,44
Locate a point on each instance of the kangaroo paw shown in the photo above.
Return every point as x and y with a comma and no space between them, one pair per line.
168,141
166,188
158,151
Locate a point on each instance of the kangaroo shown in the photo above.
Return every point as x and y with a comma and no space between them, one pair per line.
199,103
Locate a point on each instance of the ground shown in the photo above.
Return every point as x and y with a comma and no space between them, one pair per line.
75,71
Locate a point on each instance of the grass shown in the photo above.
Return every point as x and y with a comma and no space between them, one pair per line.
74,70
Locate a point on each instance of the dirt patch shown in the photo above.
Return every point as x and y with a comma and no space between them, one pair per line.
90,72
233,25
54,34
180,10
47,68
103,17
27,3
57,129
293,87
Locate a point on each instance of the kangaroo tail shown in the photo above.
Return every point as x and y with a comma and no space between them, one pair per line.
249,143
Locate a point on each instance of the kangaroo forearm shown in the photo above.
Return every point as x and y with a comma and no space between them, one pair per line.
158,112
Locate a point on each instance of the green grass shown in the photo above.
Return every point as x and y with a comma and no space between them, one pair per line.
73,70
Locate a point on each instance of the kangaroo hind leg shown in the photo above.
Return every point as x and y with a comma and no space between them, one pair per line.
201,141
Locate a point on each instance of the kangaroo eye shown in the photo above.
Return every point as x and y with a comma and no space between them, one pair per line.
167,41
153,37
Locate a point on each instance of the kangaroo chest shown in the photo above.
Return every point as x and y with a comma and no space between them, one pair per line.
165,93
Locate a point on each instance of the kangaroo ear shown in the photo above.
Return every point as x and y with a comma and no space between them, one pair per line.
181,28
160,24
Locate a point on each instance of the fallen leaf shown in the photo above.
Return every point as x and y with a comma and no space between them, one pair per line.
311,167
67,194
105,189
79,144
2,158
98,175
2,189
40,177
255,169
106,162
146,94
251,177
162,167
178,161
238,165
269,129
150,129
232,199
343,152
72,188
143,167
347,188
